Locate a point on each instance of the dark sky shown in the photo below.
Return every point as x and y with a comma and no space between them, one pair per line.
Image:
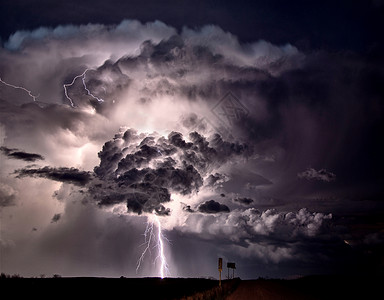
335,25
248,130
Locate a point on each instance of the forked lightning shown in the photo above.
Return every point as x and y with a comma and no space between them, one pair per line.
158,240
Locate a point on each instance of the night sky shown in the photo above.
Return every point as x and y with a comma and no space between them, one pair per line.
249,130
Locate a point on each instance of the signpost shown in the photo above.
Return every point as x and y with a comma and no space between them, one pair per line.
232,266
220,269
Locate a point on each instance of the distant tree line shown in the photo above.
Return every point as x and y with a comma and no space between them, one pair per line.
4,276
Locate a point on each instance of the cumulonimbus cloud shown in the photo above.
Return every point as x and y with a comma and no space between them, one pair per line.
154,78
144,170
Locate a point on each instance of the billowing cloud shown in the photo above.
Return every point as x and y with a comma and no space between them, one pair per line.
198,114
127,30
270,235
213,207
144,170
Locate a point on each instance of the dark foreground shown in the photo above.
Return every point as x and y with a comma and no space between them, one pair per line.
114,288
312,287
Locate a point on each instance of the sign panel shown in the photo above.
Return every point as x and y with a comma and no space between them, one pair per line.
231,265
220,264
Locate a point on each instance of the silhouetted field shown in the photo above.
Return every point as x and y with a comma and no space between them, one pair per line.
114,288
311,287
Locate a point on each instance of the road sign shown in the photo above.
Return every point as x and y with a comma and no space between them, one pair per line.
220,264
231,265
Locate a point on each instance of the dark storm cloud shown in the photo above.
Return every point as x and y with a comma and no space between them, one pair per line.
215,179
56,218
62,174
287,94
322,175
17,154
187,208
213,207
143,170
314,109
138,197
245,201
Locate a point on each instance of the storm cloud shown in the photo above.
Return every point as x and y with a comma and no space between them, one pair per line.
187,116
213,207
144,170
55,218
322,175
244,201
17,154
62,174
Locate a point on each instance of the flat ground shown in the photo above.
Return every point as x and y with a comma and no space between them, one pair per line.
311,288
266,290
103,288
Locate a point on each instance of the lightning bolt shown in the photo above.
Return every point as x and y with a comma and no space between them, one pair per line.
20,88
158,239
160,244
148,234
82,76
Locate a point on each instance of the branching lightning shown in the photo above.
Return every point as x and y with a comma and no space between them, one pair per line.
82,76
158,239
20,88
148,234
66,85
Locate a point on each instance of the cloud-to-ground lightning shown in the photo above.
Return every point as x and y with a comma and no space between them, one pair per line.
82,76
20,88
149,237
160,245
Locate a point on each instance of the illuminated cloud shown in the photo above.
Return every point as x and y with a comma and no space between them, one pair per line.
7,195
168,140
144,170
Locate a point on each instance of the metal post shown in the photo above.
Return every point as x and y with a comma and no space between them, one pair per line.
220,269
